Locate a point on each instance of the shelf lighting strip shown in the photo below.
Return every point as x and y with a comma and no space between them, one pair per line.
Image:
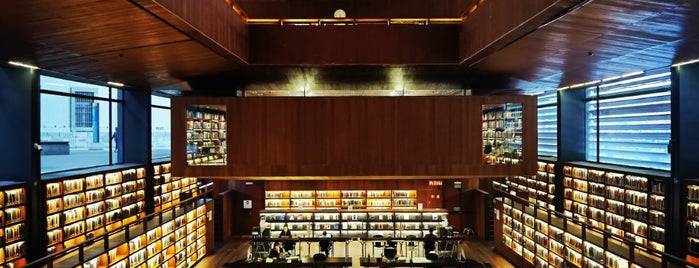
357,21
351,21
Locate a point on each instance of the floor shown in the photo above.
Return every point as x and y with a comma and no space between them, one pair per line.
238,248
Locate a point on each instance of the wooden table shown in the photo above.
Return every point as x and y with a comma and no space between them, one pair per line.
415,262
305,262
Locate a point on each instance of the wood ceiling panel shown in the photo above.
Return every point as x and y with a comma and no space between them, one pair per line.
152,66
130,42
623,36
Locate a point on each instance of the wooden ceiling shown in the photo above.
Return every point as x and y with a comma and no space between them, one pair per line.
149,44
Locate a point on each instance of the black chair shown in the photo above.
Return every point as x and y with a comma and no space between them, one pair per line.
411,244
390,252
377,244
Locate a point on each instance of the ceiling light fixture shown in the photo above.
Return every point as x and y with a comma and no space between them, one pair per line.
15,63
116,84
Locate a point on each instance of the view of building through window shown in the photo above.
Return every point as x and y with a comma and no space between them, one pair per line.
79,125
160,128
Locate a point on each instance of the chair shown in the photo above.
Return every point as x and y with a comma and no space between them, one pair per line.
259,248
468,232
377,244
390,252
411,245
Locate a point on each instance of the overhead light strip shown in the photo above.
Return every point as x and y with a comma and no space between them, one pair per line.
685,62
28,66
116,84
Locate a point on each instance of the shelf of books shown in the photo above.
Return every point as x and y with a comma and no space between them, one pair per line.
539,189
627,204
692,221
595,200
206,135
13,216
502,133
168,190
354,223
341,199
179,242
78,208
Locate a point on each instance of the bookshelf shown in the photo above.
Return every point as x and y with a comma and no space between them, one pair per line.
180,241
354,223
628,204
81,207
206,135
13,224
539,189
341,199
502,133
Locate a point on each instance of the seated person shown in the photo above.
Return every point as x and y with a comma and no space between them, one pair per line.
430,241
288,245
276,251
325,245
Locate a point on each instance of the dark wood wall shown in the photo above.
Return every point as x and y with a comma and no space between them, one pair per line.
359,44
386,137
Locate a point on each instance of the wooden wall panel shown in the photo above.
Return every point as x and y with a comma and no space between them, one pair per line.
341,137
350,45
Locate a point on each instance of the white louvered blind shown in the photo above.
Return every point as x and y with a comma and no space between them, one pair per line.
547,123
628,122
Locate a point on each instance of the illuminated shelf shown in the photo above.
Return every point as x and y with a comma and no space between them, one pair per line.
205,136
88,205
13,226
354,223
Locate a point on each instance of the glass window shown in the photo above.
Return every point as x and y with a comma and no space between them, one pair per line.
79,126
160,128
547,123
628,122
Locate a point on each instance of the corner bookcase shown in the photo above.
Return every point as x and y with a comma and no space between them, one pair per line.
13,226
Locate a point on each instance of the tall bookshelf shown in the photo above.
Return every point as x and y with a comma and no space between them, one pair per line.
627,204
84,206
604,209
13,226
